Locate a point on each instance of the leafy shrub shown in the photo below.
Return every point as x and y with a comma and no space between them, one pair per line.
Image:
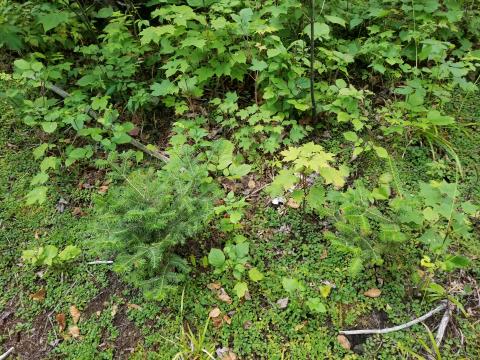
50,256
371,224
235,257
146,220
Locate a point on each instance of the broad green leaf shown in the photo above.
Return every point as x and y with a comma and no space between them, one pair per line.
430,214
37,195
216,257
194,41
238,171
291,285
52,20
242,249
240,289
258,65
49,127
350,136
315,305
321,30
49,254
381,152
235,216
22,64
40,178
255,275
325,290
49,162
456,262
104,13
69,253
335,20
334,176
39,151
155,33
316,197
434,117
166,87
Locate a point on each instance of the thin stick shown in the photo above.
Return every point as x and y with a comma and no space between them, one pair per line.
443,324
6,353
439,308
94,115
99,262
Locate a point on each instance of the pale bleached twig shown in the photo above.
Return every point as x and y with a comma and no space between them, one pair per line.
99,262
439,308
6,353
443,324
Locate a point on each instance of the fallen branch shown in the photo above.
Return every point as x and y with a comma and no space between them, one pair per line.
443,324
6,353
99,262
95,116
439,308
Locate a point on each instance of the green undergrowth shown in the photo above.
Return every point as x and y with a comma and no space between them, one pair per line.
285,242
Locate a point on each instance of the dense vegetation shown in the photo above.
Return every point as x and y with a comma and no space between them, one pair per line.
239,179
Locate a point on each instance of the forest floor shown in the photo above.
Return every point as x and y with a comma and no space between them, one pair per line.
117,323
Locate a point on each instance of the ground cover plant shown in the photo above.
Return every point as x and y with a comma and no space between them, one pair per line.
213,179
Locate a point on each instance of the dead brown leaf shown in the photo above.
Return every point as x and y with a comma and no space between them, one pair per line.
75,313
61,320
293,204
282,303
251,184
227,319
39,295
324,254
247,324
134,306
74,331
222,295
229,356
103,189
214,313
214,286
342,339
373,293
77,211
114,310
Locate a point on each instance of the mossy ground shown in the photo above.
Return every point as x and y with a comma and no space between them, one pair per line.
117,322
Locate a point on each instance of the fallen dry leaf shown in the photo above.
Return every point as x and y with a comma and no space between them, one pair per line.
74,331
114,310
103,189
39,295
37,234
251,184
75,313
247,324
61,320
229,356
342,339
247,295
217,322
372,293
77,211
214,313
324,254
293,204
227,319
214,286
282,303
223,296
134,306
